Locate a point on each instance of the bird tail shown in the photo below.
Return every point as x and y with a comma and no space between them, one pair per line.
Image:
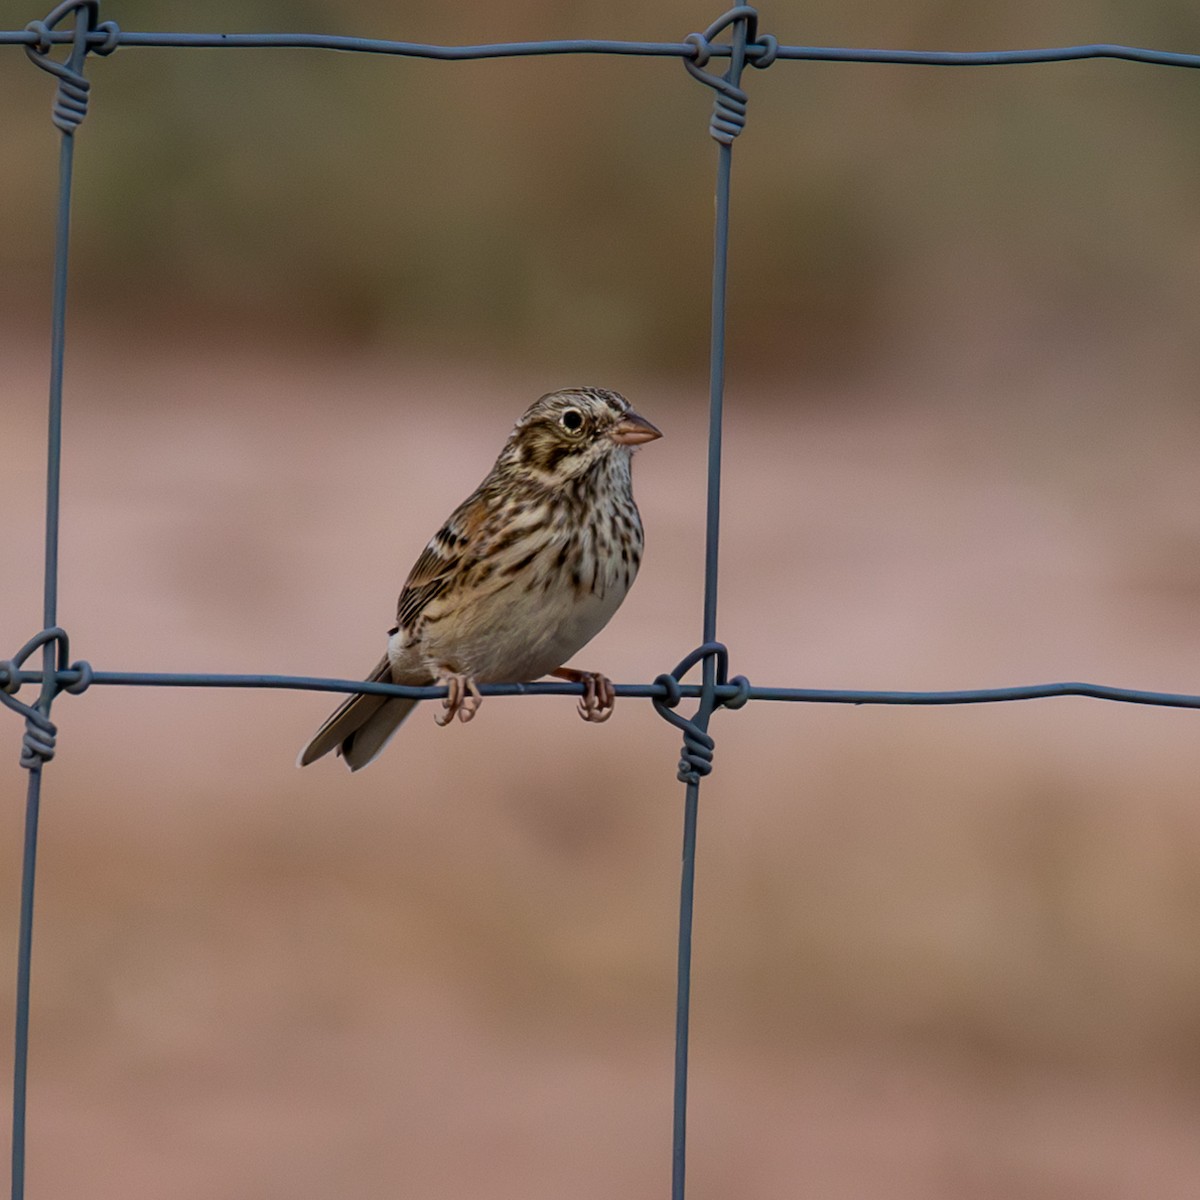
361,727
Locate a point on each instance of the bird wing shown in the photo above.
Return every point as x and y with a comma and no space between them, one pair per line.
432,575
450,551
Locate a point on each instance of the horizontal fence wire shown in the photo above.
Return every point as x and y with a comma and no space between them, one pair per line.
58,674
847,54
638,691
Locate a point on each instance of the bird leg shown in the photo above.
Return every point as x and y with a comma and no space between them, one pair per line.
462,698
598,699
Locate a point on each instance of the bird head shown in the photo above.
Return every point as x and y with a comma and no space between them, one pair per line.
566,434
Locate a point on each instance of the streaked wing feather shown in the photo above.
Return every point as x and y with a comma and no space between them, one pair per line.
451,549
414,600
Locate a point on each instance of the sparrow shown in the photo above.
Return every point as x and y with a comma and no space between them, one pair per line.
524,573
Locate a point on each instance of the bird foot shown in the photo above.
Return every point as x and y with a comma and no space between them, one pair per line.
462,699
598,699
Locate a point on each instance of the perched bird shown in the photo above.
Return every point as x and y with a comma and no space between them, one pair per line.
528,569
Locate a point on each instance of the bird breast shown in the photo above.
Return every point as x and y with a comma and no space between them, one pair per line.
525,626
550,572
531,606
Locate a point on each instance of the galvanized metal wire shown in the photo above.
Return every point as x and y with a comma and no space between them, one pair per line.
75,27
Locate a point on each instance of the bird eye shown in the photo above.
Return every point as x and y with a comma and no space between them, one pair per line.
572,420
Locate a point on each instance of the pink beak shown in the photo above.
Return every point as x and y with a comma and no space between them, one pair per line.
633,430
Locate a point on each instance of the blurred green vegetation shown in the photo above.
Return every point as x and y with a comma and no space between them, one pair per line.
504,208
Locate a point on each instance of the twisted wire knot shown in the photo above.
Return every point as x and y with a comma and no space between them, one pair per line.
38,744
737,700
71,98
703,50
696,761
697,758
41,31
768,51
112,39
729,113
670,685
9,680
86,674
729,106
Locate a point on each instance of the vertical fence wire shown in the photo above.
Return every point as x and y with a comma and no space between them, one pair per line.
70,106
24,959
683,993
691,811
49,650
50,611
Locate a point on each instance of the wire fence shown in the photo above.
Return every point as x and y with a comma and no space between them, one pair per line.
76,27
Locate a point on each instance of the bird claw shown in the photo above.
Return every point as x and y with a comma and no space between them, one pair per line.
598,699
462,699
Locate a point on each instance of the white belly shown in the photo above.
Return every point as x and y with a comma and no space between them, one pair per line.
515,636
518,632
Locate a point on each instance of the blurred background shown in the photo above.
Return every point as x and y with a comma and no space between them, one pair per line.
939,953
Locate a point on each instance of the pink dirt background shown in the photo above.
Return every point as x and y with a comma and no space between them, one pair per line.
941,954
